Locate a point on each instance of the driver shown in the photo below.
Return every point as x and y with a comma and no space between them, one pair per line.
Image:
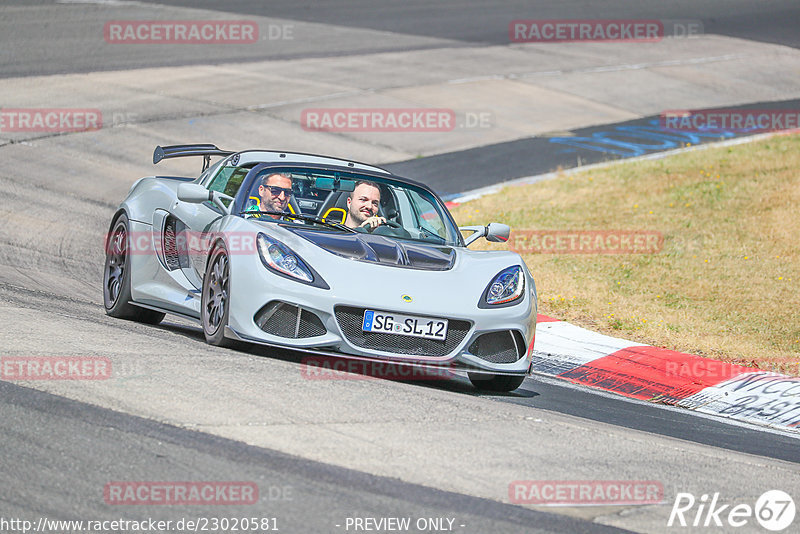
274,192
362,206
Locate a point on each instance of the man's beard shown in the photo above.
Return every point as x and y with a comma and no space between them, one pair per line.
362,216
275,206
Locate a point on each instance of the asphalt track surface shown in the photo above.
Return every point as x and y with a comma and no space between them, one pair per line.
479,21
87,446
51,44
56,464
58,453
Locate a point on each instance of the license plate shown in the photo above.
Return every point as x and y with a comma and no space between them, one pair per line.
404,325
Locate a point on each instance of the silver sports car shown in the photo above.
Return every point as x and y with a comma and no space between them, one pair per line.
322,255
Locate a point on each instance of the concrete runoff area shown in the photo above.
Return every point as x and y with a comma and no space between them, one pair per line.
265,105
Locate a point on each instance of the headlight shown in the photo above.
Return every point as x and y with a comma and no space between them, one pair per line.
278,257
506,287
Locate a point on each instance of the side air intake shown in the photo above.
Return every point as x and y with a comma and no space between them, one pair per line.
287,320
505,346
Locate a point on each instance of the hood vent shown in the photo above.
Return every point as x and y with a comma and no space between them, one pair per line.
382,249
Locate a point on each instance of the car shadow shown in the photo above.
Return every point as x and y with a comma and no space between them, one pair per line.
324,367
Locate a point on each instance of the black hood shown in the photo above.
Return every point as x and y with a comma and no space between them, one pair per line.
381,249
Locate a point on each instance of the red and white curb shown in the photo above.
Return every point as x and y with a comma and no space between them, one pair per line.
644,372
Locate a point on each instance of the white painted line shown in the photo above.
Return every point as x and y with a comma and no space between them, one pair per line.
306,100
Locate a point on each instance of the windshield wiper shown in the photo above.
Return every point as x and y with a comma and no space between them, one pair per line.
309,218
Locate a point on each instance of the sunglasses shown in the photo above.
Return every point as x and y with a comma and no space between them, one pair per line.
276,191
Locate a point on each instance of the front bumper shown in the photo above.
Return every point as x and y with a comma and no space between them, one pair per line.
496,341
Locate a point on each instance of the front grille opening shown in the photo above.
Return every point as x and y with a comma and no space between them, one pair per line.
287,320
505,346
351,318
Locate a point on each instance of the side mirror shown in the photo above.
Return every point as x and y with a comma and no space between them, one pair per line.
498,232
495,232
197,194
194,193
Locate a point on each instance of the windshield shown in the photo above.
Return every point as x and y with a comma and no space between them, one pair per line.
347,202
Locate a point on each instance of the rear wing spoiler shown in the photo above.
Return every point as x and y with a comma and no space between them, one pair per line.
180,151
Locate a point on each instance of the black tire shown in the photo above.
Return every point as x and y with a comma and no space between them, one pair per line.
117,278
504,383
215,299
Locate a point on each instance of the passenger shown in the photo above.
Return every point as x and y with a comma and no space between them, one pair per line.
362,206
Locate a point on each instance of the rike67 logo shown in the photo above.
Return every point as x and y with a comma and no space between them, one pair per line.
774,510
